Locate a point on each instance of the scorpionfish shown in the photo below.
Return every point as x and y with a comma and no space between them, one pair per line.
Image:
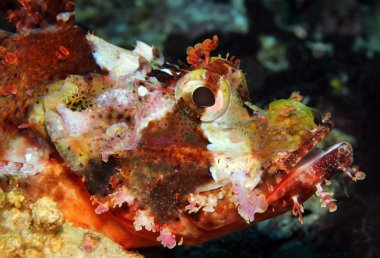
144,151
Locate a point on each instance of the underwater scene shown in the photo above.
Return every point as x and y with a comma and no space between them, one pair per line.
178,128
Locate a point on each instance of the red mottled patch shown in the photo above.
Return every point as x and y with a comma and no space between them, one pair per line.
37,66
219,66
8,90
301,182
160,176
176,128
199,55
2,50
58,55
64,50
10,58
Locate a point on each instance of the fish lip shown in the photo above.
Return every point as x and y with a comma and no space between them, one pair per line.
298,173
345,155
209,187
315,168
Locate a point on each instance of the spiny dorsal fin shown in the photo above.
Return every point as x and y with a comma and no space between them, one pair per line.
31,14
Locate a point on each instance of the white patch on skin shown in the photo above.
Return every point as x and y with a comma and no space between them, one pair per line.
142,91
166,70
214,174
35,161
54,125
117,129
119,137
122,196
143,219
118,61
28,157
121,62
244,173
101,209
116,97
121,97
75,123
155,108
22,159
11,168
241,169
211,203
198,201
64,17
144,50
15,151
222,139
220,195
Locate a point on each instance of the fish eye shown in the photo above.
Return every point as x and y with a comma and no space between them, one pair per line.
203,94
203,97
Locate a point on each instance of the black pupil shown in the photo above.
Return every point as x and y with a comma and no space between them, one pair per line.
203,97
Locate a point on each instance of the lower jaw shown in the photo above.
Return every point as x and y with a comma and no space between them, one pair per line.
315,168
296,186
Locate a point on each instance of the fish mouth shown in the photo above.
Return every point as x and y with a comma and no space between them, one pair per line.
301,173
316,154
280,190
281,167
311,171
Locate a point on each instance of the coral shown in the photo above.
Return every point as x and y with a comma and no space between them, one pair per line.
38,230
46,216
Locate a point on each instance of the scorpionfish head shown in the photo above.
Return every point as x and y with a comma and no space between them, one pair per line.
180,152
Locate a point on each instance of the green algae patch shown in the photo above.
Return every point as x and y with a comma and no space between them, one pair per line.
291,113
289,123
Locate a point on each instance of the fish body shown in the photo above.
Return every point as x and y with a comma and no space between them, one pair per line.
144,151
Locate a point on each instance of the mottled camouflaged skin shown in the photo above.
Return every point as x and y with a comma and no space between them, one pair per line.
105,167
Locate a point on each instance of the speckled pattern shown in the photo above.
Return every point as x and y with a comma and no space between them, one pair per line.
281,185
